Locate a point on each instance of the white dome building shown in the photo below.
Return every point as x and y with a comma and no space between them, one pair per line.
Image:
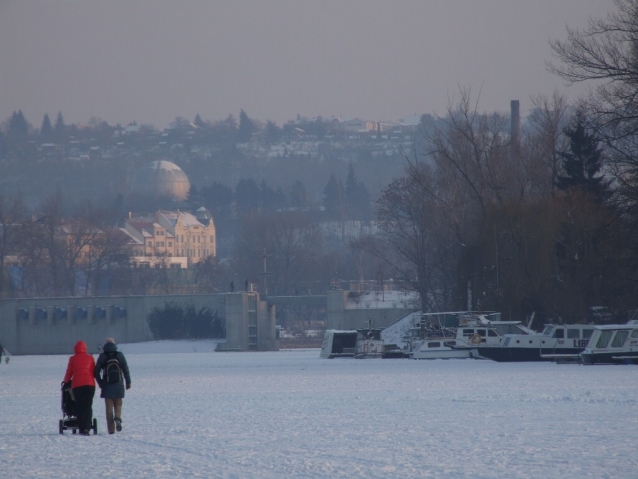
161,179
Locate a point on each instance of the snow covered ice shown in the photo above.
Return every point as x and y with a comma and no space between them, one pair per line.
196,413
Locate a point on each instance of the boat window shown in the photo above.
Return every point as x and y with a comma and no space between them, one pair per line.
619,339
434,344
468,332
491,333
450,343
587,333
604,338
634,333
548,330
481,332
507,341
559,333
573,334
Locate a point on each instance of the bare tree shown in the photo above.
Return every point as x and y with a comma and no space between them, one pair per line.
207,274
544,142
106,252
414,241
292,244
605,54
12,213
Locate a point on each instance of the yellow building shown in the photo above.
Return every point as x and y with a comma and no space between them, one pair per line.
178,239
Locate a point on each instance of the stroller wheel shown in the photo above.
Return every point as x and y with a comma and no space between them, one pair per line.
61,426
94,426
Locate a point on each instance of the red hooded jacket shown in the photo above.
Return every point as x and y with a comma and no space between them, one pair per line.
80,368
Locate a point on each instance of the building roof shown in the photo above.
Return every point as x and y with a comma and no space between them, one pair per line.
161,179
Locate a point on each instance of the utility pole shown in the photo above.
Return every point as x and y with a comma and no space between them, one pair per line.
265,274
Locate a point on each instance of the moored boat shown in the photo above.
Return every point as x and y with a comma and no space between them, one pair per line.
554,342
613,344
338,343
475,331
369,344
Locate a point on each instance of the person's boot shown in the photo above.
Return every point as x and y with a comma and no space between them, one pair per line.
118,424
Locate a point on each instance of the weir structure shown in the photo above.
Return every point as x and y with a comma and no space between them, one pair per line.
53,325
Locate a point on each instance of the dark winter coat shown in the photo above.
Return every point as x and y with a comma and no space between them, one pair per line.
112,390
80,368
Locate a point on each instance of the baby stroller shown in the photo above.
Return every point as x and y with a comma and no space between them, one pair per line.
69,419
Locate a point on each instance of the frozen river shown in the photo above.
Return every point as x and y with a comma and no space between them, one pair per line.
290,414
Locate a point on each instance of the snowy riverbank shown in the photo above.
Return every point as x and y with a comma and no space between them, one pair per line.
290,414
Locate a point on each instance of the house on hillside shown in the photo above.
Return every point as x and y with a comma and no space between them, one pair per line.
175,239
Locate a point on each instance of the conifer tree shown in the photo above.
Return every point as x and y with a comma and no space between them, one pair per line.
582,163
298,196
60,127
246,127
357,196
198,122
18,127
46,130
333,198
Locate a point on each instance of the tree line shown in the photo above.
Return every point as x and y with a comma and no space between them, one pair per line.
543,223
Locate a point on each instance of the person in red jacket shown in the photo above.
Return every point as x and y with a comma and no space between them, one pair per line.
80,373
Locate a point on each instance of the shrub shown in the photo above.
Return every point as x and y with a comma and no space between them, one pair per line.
175,321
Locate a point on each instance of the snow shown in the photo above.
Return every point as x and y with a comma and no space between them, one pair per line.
399,332
156,347
387,299
291,414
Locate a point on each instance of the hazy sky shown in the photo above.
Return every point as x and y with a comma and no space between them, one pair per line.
150,61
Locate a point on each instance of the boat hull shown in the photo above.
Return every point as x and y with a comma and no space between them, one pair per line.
443,354
609,358
505,354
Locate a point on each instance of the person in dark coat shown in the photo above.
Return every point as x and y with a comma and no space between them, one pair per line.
79,373
112,392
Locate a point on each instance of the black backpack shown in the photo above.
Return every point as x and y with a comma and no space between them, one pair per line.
112,370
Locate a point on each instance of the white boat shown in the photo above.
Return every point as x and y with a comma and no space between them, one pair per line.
613,344
338,343
555,342
369,344
474,332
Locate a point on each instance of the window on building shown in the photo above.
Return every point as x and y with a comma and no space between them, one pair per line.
211,239
170,244
150,243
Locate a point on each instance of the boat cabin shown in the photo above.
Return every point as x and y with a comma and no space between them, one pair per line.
369,343
613,344
338,343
